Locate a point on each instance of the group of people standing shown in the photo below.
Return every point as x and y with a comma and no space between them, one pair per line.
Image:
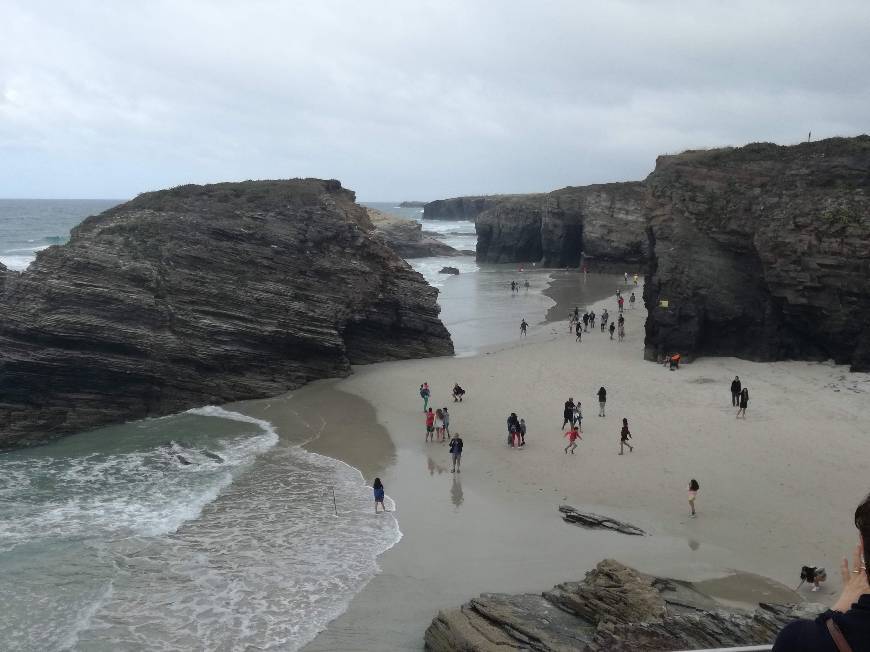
516,429
515,287
438,424
581,324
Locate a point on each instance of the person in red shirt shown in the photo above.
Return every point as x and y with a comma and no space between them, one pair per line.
620,302
430,425
573,435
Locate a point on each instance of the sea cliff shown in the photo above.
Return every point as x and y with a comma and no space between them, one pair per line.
762,252
203,294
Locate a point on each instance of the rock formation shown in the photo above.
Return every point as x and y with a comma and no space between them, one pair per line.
462,208
597,521
203,294
762,252
448,270
605,223
406,237
412,204
613,609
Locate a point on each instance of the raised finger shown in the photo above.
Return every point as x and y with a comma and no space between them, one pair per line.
844,570
857,562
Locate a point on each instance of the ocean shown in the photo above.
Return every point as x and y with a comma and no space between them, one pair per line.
206,529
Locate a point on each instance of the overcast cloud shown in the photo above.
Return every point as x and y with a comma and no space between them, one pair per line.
410,100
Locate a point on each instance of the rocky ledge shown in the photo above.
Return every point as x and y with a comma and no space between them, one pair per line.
762,252
203,294
615,608
406,237
462,208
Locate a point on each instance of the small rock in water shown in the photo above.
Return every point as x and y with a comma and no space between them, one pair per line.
184,461
449,270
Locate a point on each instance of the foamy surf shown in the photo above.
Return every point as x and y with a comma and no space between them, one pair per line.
114,544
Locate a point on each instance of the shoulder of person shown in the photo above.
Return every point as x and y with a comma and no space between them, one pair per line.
805,636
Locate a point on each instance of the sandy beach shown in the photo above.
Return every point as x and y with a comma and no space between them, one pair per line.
778,489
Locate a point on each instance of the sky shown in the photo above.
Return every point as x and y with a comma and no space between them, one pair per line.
411,99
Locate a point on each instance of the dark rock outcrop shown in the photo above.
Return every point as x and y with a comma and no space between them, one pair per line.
203,294
597,521
462,208
614,608
406,237
603,223
412,204
762,252
448,270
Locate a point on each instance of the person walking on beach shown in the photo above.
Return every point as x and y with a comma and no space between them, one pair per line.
586,322
635,279
445,419
592,319
626,278
602,396
578,331
693,493
624,436
735,392
620,302
578,416
612,328
568,412
573,435
576,314
424,394
621,331
744,402
522,432
513,424
456,452
430,425
513,287
378,488
631,301
527,285
523,327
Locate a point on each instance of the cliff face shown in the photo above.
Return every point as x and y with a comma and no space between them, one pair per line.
613,608
462,208
604,222
763,252
203,294
405,237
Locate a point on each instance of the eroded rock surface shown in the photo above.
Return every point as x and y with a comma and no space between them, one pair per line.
462,208
605,223
762,252
614,608
203,294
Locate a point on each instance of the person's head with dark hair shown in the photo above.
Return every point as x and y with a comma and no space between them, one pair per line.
624,421
693,485
377,484
862,522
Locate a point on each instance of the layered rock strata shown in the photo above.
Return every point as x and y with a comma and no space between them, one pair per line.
462,208
613,609
203,294
762,252
406,237
603,224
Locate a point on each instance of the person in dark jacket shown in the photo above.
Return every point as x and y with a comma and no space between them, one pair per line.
849,619
378,488
602,400
568,412
735,391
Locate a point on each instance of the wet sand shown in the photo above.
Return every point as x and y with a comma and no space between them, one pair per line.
495,527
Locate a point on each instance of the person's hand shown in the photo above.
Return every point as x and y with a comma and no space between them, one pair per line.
854,580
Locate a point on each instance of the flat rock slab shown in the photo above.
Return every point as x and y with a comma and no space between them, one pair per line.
597,521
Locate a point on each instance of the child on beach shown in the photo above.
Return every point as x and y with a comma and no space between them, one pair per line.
693,493
424,394
573,435
456,452
624,436
430,425
522,432
378,488
446,420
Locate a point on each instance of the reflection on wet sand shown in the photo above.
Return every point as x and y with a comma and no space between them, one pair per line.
456,491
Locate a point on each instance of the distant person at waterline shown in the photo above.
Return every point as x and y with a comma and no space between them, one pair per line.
693,494
586,322
527,285
602,396
578,330
624,436
424,394
848,621
744,402
378,488
456,452
612,328
523,327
